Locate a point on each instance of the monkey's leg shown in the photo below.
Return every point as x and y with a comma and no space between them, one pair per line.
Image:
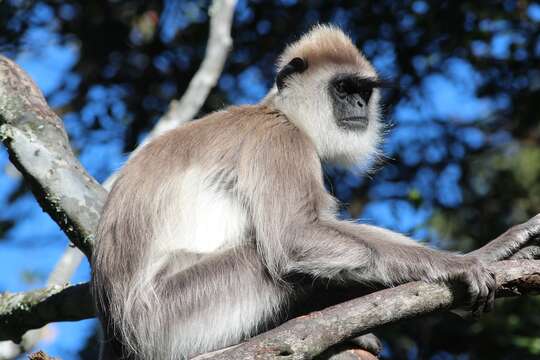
219,301
511,241
316,295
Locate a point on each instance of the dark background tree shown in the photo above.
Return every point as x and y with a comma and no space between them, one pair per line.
463,161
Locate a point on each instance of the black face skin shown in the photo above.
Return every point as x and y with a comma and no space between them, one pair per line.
350,96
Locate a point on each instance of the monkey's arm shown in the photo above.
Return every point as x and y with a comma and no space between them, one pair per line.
370,254
512,242
295,229
520,241
329,249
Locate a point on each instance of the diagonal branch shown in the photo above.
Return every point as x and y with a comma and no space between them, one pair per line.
219,44
39,147
308,336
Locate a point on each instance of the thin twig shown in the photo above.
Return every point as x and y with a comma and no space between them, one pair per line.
219,44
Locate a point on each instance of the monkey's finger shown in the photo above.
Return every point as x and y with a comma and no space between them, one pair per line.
490,303
486,294
529,230
491,287
478,298
529,252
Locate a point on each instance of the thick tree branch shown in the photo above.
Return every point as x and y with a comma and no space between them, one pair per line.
38,146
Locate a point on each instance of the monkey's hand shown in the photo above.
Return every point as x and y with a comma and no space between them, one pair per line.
519,242
530,252
479,284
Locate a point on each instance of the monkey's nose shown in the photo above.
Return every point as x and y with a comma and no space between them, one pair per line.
360,101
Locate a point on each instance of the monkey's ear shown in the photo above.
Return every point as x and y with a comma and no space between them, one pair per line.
296,65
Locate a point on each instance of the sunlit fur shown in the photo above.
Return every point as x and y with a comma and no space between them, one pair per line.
207,226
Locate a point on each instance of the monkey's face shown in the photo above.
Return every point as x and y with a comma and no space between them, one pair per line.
337,106
350,95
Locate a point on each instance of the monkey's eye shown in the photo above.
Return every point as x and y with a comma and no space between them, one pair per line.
365,93
341,87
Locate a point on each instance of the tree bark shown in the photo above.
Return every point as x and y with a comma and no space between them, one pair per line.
20,312
38,146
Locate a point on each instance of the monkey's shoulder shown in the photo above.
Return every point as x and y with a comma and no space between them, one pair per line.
222,137
240,124
259,115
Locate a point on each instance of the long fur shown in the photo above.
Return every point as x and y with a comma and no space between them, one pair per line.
207,226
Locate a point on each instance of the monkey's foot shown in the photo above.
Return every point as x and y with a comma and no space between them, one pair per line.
368,342
365,347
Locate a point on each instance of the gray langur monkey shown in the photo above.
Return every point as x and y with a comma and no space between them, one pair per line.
209,229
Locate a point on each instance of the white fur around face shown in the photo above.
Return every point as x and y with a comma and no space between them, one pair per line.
306,102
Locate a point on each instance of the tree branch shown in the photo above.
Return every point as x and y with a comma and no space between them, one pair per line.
308,336
20,312
218,47
60,275
39,147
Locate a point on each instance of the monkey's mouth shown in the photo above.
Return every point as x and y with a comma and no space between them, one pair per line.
354,122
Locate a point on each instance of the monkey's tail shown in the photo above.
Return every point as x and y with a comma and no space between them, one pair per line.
132,313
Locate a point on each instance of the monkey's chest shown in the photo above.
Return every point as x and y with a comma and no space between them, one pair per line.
207,218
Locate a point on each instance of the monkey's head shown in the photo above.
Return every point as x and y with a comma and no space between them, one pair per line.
330,91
